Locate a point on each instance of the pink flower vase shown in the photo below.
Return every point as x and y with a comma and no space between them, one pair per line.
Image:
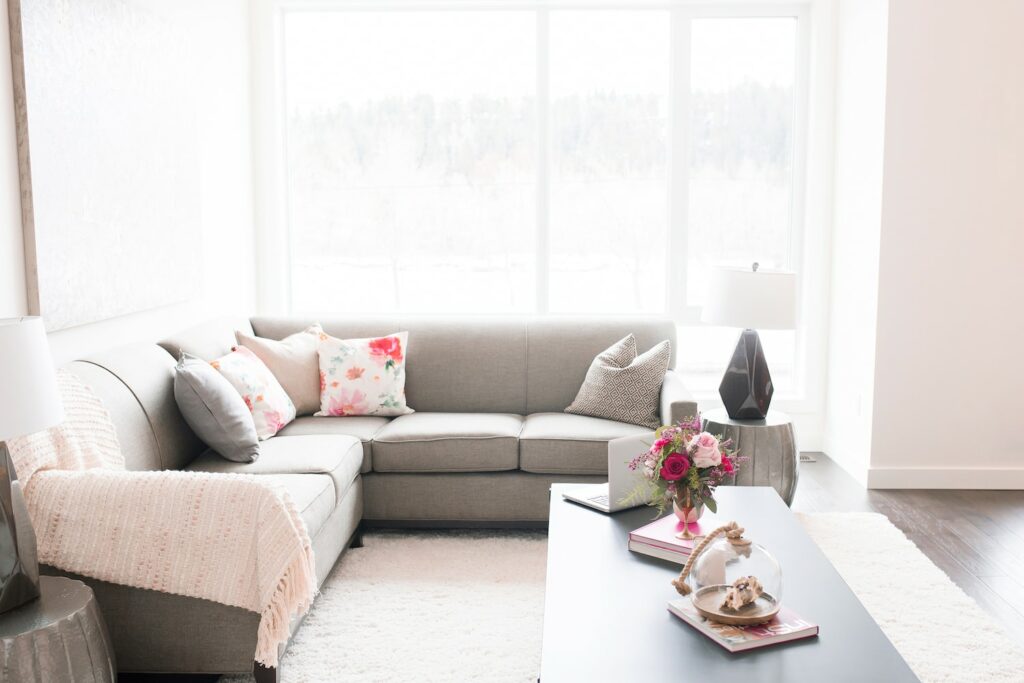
687,510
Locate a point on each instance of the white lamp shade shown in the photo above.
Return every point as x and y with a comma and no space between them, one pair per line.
29,400
759,300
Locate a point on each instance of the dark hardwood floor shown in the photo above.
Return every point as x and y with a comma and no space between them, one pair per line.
975,537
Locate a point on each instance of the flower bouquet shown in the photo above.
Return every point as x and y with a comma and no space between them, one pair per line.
684,465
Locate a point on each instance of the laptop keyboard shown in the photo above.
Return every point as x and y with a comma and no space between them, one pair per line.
600,500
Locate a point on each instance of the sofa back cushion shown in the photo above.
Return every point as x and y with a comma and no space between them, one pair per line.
562,349
208,340
136,384
452,365
490,365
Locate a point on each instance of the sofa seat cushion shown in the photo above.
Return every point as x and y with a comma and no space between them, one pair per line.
559,443
448,442
313,494
338,457
363,427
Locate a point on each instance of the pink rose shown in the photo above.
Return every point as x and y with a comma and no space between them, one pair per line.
386,348
705,451
674,467
728,466
659,444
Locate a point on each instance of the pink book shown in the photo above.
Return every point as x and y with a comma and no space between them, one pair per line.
658,538
784,627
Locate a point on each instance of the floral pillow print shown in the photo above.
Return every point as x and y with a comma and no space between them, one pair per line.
264,396
363,376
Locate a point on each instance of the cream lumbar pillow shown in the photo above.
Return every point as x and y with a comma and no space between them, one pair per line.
293,362
263,395
622,386
363,376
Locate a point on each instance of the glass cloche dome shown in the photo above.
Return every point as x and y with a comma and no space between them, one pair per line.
736,581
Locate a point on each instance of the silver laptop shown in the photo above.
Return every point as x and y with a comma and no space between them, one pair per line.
621,480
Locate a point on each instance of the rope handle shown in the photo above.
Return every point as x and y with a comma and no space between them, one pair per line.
733,533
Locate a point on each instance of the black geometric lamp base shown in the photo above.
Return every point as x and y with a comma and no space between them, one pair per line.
746,388
19,569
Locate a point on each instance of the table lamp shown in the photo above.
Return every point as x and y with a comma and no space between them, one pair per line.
749,298
29,402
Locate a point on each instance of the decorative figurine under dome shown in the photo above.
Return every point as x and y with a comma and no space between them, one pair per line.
732,580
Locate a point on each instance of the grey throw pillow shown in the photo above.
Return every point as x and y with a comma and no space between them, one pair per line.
622,386
214,410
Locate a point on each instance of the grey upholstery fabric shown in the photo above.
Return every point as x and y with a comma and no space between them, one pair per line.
562,349
214,410
448,442
278,327
513,365
363,427
313,494
136,437
453,365
558,443
332,539
154,631
337,456
677,403
148,373
624,386
209,340
462,499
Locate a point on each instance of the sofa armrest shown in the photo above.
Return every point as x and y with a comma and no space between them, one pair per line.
677,403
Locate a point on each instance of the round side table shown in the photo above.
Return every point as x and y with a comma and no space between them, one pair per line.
769,446
58,638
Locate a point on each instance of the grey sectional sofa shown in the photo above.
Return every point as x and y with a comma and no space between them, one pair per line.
487,440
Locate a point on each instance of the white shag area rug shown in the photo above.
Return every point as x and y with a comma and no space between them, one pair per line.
461,606
426,606
941,632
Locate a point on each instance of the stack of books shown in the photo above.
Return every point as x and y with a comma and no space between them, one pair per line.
784,627
658,539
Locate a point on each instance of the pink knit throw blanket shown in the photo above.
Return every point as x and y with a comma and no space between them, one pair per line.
231,538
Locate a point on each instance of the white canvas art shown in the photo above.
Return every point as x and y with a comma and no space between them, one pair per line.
109,155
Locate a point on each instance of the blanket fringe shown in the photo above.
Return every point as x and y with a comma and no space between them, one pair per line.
292,597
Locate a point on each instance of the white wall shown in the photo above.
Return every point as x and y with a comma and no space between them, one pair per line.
948,374
227,245
857,210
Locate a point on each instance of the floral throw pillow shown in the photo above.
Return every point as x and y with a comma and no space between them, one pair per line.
264,396
363,376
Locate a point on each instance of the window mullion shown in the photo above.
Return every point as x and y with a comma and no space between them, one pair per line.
677,254
542,265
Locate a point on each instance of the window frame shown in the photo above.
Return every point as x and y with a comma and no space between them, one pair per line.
269,116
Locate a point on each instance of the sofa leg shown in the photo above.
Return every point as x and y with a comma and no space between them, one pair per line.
265,674
357,538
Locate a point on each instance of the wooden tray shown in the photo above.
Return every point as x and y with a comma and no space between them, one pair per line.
708,602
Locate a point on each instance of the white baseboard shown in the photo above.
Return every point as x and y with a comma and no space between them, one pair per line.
1005,478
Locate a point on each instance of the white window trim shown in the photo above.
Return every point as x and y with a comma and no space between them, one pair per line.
809,249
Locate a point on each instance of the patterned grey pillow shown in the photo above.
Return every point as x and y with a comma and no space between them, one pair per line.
625,387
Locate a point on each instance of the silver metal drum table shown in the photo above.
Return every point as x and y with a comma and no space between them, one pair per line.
769,447
58,638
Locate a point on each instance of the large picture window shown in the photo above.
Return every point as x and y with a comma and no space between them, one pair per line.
538,158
